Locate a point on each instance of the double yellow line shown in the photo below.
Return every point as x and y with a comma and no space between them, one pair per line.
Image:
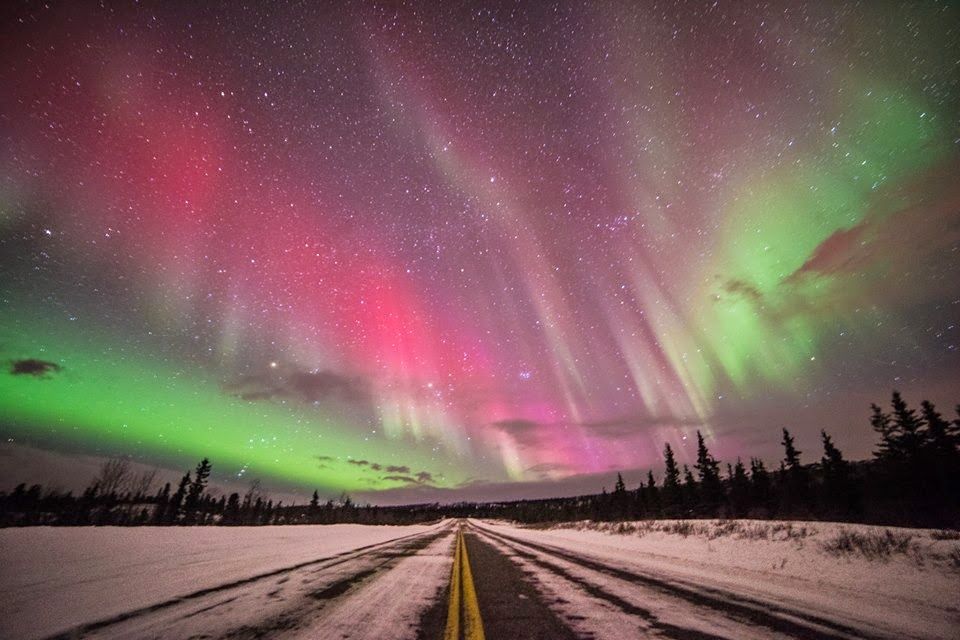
462,596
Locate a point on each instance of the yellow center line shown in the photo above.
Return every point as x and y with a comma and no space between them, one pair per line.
462,593
452,631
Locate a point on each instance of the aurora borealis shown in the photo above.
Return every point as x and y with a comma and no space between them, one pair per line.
414,248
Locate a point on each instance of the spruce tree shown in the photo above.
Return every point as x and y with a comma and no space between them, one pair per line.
794,486
671,478
886,450
759,483
690,489
619,487
836,476
791,455
195,492
231,512
176,502
709,470
939,441
909,430
739,489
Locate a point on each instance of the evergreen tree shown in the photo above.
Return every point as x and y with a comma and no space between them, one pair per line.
652,494
173,512
162,503
739,489
836,476
791,457
794,486
671,477
709,470
759,483
883,425
690,490
670,496
619,487
908,429
231,512
201,475
940,443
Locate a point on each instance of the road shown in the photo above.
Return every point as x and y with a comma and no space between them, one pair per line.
473,580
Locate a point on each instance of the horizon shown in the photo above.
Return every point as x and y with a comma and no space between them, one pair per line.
499,253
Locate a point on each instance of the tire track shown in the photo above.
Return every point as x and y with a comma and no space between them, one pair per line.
791,622
390,550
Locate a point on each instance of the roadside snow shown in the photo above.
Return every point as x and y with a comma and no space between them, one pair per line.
908,584
56,578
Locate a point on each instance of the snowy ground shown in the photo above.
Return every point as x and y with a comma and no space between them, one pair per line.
664,579
54,579
864,581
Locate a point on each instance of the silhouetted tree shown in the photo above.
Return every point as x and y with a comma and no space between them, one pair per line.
690,491
908,430
739,489
883,425
192,503
711,491
671,478
838,487
176,501
760,488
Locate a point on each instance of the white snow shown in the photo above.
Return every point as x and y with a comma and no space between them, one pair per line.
909,593
56,578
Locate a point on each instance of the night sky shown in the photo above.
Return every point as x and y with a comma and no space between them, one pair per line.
412,251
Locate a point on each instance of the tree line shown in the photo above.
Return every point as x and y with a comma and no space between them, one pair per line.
913,478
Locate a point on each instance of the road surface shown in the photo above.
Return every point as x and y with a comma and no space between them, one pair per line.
475,580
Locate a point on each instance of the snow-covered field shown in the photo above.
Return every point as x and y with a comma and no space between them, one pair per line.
680,579
893,582
53,579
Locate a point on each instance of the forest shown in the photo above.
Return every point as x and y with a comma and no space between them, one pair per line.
912,479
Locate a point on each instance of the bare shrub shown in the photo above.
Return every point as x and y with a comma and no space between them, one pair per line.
113,476
872,546
945,534
954,557
682,528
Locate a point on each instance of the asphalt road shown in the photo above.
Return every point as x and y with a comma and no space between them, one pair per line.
466,580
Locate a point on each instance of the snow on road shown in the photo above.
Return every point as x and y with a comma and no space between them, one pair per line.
389,607
686,579
913,592
53,579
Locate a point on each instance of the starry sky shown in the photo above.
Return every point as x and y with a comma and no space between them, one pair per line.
421,251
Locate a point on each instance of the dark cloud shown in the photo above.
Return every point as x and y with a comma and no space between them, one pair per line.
406,479
359,463
34,367
324,458
635,425
548,470
516,425
419,478
741,289
313,386
526,433
309,387
393,468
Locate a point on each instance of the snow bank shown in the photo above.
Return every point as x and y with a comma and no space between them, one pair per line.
896,578
55,578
